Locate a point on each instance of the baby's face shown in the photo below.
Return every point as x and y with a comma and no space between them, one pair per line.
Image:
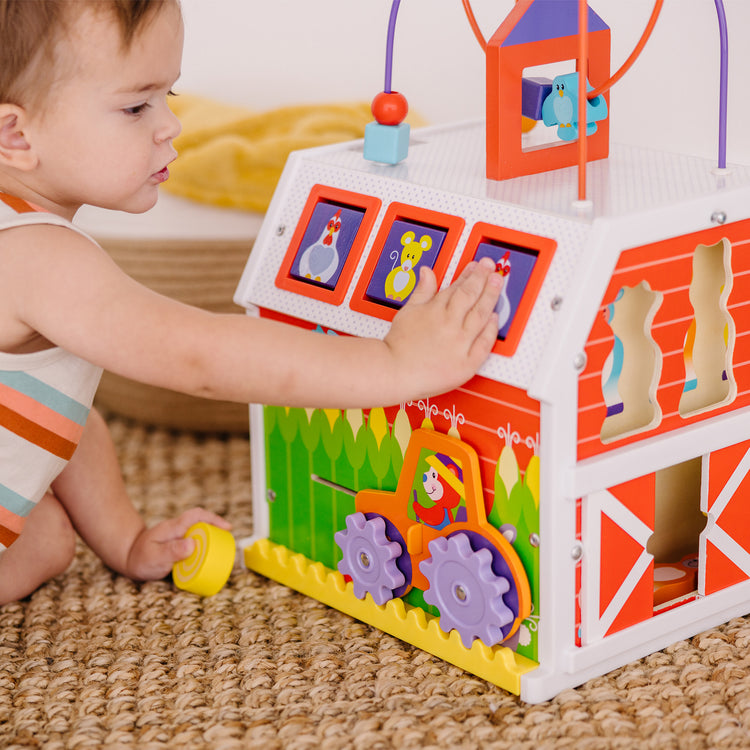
105,135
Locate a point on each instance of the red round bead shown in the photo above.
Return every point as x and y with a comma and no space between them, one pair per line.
389,108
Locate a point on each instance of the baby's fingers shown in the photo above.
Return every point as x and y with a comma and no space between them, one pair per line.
178,549
482,345
474,295
426,287
174,528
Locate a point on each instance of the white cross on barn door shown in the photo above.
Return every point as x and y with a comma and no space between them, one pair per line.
618,573
725,498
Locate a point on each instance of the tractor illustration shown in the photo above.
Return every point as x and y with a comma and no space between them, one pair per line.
464,565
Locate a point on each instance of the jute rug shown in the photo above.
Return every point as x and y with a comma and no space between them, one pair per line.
95,661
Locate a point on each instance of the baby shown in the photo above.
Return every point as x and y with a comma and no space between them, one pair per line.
84,120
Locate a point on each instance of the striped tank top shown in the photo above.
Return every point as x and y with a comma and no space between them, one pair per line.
45,398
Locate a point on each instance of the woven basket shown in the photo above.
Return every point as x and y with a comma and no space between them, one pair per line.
203,273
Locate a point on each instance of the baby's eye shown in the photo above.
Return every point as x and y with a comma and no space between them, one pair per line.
138,109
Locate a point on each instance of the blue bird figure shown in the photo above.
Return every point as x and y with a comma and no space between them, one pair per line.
561,108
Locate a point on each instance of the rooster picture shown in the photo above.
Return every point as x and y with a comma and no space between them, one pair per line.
320,260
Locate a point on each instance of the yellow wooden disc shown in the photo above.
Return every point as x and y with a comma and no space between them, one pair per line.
207,569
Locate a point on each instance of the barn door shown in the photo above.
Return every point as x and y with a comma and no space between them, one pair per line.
725,542
618,572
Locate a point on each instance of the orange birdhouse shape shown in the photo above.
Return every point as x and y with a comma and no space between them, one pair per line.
537,33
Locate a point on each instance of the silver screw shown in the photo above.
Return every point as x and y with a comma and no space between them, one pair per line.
718,217
556,303
270,496
460,593
534,540
579,361
280,230
364,559
577,552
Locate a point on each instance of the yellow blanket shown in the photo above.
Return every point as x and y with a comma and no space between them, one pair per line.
230,156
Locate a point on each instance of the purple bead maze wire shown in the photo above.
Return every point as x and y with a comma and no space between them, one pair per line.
389,46
723,75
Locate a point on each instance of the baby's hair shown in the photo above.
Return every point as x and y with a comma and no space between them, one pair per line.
30,30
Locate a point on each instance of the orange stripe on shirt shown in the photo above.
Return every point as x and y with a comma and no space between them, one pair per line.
11,521
34,411
7,537
35,434
18,205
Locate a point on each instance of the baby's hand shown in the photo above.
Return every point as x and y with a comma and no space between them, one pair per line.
440,339
157,549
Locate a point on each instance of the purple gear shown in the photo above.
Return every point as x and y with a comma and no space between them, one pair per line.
369,558
466,591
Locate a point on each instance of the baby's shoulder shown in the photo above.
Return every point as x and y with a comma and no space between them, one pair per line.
27,241
40,259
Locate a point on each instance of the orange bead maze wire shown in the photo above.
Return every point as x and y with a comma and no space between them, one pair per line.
474,25
625,67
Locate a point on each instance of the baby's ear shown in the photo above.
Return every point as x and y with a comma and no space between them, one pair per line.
15,150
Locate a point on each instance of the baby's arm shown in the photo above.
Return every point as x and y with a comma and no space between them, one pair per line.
92,492
436,342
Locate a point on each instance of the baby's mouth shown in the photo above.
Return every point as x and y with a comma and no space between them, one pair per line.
162,175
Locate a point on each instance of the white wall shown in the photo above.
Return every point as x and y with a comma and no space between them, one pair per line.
264,54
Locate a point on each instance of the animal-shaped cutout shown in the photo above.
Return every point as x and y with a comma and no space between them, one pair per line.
321,259
561,108
443,484
503,306
400,282
612,369
631,372
709,340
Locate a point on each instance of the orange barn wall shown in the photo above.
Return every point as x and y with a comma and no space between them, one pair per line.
667,267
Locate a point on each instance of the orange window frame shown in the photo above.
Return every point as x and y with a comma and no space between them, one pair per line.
544,247
452,225
369,205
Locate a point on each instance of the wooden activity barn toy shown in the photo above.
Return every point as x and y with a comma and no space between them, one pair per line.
584,499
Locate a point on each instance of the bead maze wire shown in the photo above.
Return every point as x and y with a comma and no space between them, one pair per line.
582,68
634,55
583,71
723,77
389,46
474,25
